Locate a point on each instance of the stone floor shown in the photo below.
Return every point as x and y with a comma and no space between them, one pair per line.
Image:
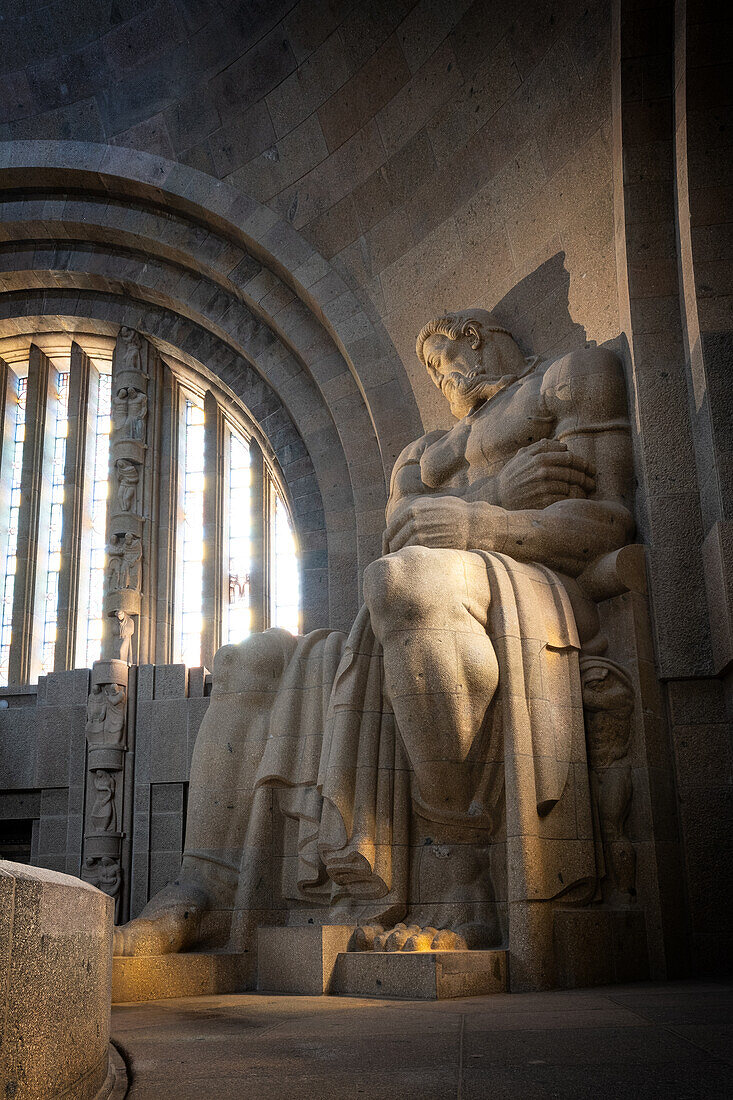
643,1041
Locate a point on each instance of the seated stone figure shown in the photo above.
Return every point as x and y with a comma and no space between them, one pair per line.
431,766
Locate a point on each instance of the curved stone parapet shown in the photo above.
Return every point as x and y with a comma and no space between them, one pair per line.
55,977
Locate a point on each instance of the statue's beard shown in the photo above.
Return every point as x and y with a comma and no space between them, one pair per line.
465,391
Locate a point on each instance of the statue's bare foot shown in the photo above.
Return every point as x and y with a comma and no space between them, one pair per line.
170,922
473,935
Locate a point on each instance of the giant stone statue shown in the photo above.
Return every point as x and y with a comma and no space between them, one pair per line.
430,768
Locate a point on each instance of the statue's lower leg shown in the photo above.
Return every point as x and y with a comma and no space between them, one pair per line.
429,610
170,922
452,895
219,805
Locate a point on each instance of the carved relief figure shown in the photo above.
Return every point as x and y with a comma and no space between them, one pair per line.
608,701
96,713
449,720
128,475
114,725
119,414
104,873
104,813
129,350
114,563
110,877
130,570
137,411
123,628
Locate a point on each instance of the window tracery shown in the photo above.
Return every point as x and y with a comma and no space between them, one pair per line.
110,483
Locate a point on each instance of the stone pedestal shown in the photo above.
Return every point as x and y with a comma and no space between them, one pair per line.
315,960
55,976
159,977
420,975
300,960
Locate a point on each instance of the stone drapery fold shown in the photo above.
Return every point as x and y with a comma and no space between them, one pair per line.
334,748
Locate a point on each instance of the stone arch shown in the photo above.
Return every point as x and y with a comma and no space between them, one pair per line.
102,233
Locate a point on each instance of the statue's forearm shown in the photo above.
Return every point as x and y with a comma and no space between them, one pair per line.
566,536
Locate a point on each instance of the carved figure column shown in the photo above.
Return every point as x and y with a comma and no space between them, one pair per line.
108,794
106,730
123,587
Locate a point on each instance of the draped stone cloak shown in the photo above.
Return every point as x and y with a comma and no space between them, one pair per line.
334,748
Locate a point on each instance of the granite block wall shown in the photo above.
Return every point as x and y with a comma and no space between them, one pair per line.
46,803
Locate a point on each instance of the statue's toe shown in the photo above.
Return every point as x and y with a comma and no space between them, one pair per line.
397,939
445,940
364,936
420,941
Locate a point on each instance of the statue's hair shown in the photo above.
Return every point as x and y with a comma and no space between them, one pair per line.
470,323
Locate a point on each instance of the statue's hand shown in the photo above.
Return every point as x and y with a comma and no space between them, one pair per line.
442,522
542,474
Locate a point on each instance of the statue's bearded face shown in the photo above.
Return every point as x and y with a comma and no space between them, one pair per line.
460,370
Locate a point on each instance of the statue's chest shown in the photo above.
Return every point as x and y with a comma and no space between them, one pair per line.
480,445
513,420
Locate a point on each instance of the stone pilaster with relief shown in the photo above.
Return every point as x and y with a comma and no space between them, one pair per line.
107,734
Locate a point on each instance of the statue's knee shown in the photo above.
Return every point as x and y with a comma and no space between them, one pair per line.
257,663
401,585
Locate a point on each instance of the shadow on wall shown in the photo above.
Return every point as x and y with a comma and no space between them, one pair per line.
537,311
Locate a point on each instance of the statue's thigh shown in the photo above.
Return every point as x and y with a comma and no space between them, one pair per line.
457,579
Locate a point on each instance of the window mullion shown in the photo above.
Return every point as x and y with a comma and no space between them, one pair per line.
259,529
214,490
170,508
9,427
8,410
77,475
190,541
33,523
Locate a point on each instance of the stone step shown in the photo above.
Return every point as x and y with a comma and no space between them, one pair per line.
420,975
314,960
159,977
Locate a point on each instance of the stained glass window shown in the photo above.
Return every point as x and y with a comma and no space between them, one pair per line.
92,615
60,427
192,542
239,547
8,579
285,581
